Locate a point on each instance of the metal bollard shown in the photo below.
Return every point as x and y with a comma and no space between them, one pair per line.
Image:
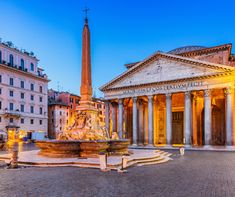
103,162
182,151
14,159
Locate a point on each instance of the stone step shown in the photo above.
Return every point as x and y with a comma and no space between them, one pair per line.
144,158
150,160
154,162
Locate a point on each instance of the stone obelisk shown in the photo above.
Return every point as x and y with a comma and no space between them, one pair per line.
86,104
86,82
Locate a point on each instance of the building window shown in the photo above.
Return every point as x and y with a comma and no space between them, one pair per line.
22,64
22,84
40,122
32,87
31,109
11,106
0,78
60,113
32,97
22,108
22,95
11,62
40,99
11,93
0,119
40,110
60,121
52,113
0,90
31,67
0,104
11,82
0,56
11,120
31,121
40,89
22,120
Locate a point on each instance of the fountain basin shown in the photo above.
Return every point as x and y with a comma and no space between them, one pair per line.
59,148
118,147
93,148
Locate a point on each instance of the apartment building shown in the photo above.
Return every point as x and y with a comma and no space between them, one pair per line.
23,94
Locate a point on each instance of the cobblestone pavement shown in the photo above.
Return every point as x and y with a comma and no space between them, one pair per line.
195,174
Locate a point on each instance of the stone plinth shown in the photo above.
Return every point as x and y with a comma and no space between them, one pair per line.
59,148
118,147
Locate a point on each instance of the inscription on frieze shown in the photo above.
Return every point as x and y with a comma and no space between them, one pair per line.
178,86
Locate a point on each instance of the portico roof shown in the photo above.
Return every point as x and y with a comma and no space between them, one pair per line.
206,69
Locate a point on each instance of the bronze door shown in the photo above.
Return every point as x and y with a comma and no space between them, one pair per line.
177,127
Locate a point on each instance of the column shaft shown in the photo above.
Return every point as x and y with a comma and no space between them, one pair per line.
168,119
150,120
114,117
194,120
135,121
107,125
120,118
141,123
207,117
187,117
229,116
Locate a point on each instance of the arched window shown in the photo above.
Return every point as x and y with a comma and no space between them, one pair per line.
22,63
11,60
0,57
31,67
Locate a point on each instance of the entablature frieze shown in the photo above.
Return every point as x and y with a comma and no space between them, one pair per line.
169,88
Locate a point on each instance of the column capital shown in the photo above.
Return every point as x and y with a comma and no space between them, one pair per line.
150,98
228,91
207,93
107,102
135,99
114,104
120,101
187,94
168,95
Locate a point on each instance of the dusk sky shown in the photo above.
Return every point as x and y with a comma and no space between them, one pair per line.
122,31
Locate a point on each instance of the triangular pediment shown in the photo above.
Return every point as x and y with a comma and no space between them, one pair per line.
164,67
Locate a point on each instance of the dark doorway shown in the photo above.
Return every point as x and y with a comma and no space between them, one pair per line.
177,127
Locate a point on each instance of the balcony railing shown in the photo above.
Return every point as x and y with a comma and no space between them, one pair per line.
22,69
15,113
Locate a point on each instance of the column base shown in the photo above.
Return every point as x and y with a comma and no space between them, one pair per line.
149,146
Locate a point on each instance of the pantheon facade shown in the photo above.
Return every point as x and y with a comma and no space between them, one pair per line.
185,96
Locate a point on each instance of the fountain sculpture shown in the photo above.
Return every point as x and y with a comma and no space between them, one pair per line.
84,137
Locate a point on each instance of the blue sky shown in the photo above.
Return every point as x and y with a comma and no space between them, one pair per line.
122,31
